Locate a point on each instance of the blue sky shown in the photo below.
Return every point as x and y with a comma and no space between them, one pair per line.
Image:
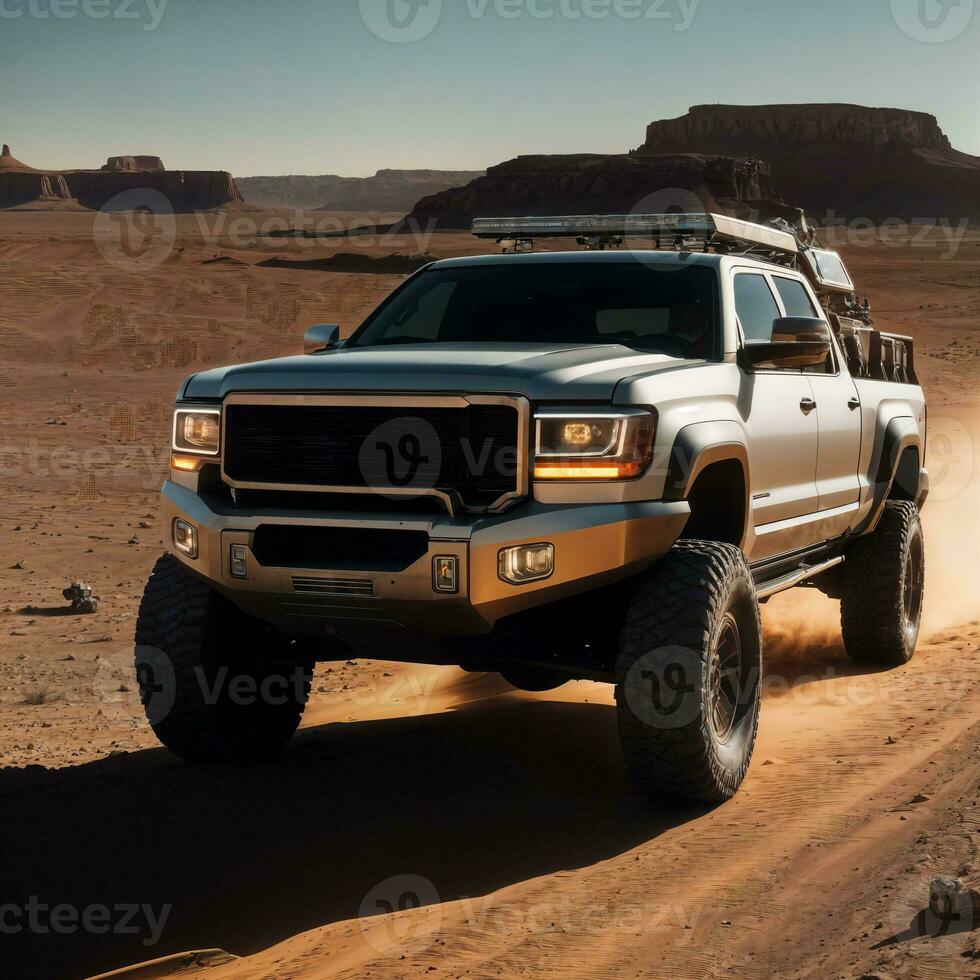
305,86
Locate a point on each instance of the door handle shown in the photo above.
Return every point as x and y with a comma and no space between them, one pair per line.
808,405
854,404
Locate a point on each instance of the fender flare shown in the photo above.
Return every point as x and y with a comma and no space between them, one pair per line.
700,445
901,433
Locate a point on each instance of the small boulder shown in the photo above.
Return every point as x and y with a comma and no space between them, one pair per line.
949,898
81,598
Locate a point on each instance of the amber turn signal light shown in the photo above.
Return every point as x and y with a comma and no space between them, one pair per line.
185,464
588,471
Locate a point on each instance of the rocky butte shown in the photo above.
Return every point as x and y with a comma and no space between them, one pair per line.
186,190
596,184
854,160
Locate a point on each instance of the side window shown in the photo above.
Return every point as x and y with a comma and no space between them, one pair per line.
756,306
794,297
798,303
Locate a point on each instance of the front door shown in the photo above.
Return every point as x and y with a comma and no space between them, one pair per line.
780,420
838,412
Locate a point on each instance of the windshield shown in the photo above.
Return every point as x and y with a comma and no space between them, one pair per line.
671,311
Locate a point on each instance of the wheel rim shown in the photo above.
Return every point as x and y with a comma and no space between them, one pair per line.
726,680
912,590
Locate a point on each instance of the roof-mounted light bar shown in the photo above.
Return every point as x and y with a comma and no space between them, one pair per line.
671,230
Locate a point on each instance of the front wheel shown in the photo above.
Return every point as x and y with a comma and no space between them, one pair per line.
216,685
883,588
688,675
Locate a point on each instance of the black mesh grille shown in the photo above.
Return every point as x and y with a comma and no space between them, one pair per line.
471,450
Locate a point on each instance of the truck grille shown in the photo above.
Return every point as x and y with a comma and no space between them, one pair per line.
471,450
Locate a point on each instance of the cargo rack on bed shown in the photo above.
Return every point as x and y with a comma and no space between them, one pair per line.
870,353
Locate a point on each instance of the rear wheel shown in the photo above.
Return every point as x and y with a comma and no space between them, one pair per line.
216,685
688,676
882,587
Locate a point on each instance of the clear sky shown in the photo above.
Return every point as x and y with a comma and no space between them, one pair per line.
307,86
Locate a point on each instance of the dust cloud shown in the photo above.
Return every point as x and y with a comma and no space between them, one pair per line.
802,627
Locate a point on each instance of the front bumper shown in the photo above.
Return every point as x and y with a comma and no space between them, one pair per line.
595,545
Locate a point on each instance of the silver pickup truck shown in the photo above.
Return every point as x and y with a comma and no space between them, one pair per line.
562,465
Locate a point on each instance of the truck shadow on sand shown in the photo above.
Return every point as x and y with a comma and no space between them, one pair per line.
471,800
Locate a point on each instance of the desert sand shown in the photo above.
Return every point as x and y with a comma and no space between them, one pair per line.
506,816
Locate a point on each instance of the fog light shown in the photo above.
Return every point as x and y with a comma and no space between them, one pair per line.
526,563
445,575
185,538
239,561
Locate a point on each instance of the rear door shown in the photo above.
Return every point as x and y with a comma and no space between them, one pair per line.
838,410
776,406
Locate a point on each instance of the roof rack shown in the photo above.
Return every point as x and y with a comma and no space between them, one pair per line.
676,231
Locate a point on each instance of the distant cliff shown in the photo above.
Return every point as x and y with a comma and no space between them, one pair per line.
736,129
858,161
592,183
28,186
186,190
387,190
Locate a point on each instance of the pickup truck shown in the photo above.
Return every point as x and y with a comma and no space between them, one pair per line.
554,466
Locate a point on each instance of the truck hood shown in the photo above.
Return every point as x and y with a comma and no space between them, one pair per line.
541,372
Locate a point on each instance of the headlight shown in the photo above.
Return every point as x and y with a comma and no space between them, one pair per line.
197,431
600,446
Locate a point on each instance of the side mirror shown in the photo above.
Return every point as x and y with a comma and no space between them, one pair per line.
320,337
797,342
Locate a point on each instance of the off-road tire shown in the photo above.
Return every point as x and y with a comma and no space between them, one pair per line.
678,623
198,657
881,588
